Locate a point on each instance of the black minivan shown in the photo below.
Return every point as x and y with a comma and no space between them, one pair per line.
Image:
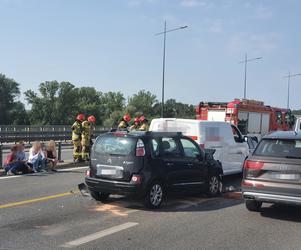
148,164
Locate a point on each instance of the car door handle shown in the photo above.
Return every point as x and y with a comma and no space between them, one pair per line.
189,164
169,164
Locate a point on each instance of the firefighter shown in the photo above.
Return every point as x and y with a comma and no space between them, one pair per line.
87,128
136,124
124,124
76,137
144,123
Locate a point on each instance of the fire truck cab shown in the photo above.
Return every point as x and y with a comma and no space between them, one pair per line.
253,118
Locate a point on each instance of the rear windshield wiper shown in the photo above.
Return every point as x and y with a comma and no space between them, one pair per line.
292,157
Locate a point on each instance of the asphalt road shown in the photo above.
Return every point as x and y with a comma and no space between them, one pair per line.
46,212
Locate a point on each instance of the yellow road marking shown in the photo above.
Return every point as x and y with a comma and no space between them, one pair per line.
45,198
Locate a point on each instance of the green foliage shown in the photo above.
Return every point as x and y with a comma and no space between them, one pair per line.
297,112
175,109
58,103
12,111
142,103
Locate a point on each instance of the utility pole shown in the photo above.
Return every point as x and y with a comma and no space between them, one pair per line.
163,66
245,61
289,76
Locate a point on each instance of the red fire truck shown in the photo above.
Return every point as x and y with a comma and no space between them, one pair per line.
251,117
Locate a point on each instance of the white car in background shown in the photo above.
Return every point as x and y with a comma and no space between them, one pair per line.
230,145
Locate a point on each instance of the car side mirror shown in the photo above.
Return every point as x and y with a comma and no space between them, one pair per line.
209,153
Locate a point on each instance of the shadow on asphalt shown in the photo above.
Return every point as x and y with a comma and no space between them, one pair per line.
282,212
184,201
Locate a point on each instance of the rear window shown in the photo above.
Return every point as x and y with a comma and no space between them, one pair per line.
114,145
279,148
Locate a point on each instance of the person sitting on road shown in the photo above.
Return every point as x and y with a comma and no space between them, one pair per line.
21,157
11,164
36,157
51,155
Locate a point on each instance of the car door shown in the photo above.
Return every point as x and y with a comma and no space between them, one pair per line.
171,160
194,164
238,150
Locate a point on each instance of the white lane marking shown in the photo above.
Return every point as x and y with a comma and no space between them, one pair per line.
71,169
99,235
59,170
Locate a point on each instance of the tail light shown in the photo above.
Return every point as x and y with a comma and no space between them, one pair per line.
140,149
254,165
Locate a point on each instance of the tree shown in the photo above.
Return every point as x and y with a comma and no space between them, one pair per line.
142,103
111,102
175,109
44,108
9,91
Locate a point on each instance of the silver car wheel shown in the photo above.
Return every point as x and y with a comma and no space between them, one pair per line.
156,194
214,185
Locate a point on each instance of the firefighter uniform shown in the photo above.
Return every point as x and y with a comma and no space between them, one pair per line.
76,140
136,124
86,139
144,127
144,123
123,125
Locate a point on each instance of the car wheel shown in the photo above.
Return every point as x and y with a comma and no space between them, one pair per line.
154,195
99,196
253,205
215,186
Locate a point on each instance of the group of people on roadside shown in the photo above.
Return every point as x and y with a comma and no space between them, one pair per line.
39,159
139,123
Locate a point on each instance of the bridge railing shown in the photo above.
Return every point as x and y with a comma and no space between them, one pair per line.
41,133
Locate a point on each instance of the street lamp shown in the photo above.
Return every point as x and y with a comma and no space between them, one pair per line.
163,70
246,62
289,76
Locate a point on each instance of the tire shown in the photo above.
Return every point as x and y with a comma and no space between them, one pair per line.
214,186
253,206
99,196
154,195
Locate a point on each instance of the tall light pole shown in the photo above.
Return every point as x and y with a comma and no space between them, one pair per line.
245,79
164,50
289,76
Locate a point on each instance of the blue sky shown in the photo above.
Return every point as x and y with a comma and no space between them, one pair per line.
111,45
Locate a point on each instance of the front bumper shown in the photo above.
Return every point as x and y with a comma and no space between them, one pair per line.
272,198
114,187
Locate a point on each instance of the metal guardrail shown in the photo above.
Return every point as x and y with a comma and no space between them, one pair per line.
40,133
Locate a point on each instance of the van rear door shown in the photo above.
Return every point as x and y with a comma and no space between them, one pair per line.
113,157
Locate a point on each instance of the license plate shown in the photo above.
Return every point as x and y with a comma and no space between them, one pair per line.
108,171
287,176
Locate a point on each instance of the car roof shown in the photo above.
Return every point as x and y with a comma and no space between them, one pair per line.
187,120
145,133
283,135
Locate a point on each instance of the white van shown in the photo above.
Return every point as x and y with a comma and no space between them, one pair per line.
298,125
231,147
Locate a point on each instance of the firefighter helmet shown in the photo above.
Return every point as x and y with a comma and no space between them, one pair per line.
126,118
92,119
142,118
80,117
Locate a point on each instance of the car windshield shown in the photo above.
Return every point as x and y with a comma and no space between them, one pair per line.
114,145
279,148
